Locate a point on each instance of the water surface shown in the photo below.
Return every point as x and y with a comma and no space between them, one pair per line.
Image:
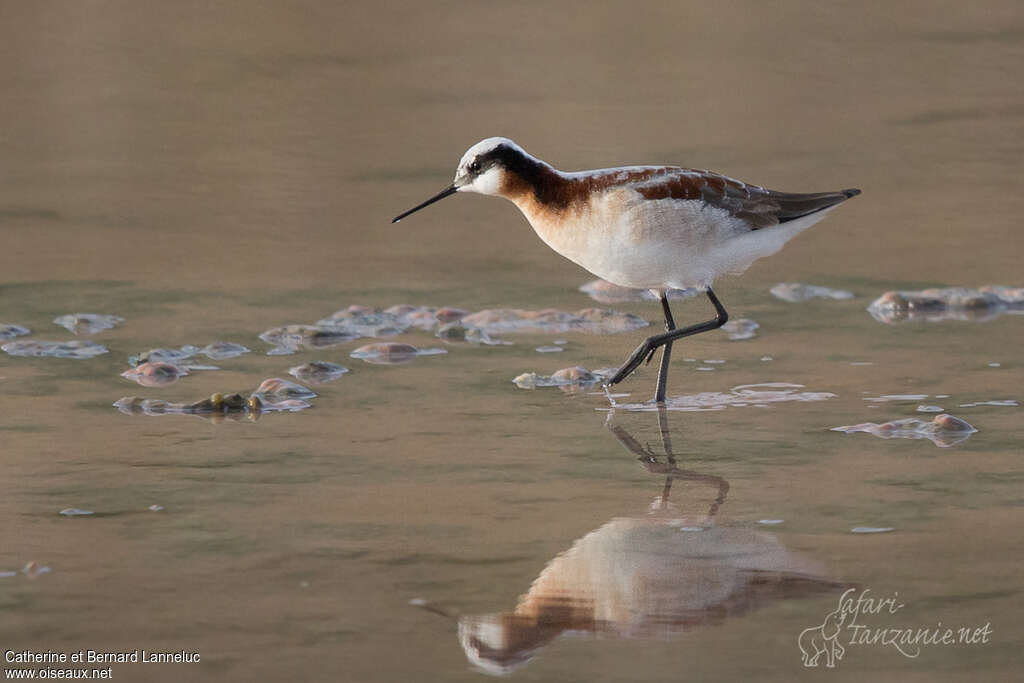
211,172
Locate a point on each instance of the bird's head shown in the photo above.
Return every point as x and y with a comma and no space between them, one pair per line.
485,168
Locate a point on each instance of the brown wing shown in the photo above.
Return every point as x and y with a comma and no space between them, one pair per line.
759,207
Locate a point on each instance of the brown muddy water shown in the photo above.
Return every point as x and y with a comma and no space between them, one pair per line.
210,171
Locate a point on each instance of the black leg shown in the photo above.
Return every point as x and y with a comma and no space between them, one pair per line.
666,353
647,348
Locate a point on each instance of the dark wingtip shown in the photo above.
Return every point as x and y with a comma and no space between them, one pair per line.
852,192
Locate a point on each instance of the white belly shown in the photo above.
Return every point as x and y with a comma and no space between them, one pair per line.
659,244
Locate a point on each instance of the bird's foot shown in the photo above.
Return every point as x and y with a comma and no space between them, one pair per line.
643,352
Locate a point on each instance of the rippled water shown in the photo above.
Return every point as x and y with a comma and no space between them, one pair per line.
211,173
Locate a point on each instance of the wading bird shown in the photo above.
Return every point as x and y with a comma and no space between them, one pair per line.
649,227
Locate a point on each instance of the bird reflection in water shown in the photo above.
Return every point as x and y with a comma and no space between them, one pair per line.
655,575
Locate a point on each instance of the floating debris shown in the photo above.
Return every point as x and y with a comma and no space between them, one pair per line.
738,330
318,371
276,388
548,321
929,409
1008,403
549,349
953,303
33,570
155,374
450,314
944,430
770,522
9,331
87,323
884,398
291,338
165,355
361,321
754,395
766,359
475,335
364,321
222,350
574,376
452,332
391,353
795,292
714,361
75,512
994,365
871,529
155,508
605,292
386,353
68,349
273,395
425,317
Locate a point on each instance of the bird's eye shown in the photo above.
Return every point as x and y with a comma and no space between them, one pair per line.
475,166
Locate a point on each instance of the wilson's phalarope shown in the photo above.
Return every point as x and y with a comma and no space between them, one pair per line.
650,227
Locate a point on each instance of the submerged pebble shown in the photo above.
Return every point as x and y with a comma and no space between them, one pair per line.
155,374
944,430
391,353
952,303
796,292
605,292
738,330
68,349
549,321
318,371
87,323
9,331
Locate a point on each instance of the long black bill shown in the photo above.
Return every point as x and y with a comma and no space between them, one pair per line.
436,198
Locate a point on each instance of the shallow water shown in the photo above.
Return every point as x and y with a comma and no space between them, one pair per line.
209,173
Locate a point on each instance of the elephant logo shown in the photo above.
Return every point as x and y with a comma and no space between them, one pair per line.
823,640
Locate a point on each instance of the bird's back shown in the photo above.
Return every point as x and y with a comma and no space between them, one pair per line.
757,206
